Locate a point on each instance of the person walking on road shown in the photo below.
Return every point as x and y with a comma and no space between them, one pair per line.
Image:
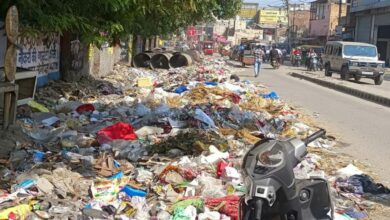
259,55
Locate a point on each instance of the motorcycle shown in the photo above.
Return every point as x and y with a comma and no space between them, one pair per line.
297,60
313,64
320,63
272,190
275,63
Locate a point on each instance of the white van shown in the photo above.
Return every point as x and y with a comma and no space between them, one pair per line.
353,59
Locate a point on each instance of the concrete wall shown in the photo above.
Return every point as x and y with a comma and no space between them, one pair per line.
334,16
300,19
41,54
327,26
102,61
363,29
362,5
320,27
366,25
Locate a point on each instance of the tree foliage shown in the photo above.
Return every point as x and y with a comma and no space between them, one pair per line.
97,21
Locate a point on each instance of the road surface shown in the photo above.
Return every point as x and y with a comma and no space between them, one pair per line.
363,127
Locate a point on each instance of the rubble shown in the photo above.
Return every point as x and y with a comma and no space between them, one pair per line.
152,144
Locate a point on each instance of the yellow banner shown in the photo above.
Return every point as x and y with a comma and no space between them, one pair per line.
247,13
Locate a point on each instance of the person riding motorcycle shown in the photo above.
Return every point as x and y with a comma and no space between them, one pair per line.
295,54
310,55
274,55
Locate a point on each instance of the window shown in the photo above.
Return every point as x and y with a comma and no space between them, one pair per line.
355,50
328,49
335,51
317,11
340,51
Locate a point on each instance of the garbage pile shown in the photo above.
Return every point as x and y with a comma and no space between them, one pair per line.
143,144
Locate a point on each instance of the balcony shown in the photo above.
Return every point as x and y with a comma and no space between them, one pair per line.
362,5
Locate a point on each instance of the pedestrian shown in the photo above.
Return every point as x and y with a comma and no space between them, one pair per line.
241,51
258,54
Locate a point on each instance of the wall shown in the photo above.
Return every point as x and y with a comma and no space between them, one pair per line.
320,27
361,5
102,60
41,54
363,29
300,19
327,26
334,16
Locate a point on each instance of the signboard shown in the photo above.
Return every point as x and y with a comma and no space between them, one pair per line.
41,54
272,16
269,20
247,13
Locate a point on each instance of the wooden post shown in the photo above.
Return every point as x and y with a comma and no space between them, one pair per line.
12,31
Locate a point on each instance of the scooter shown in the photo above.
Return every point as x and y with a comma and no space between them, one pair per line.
272,190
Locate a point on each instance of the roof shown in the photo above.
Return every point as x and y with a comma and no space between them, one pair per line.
349,43
327,1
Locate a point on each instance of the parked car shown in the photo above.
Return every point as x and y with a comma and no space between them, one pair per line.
353,59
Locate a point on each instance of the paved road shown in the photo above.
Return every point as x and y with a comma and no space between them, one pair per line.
363,126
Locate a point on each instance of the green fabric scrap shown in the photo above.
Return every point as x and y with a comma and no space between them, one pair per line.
197,203
180,215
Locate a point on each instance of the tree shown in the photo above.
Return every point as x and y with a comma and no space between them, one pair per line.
98,21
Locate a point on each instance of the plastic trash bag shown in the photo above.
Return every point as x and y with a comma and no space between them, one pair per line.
181,89
272,95
203,117
162,110
142,110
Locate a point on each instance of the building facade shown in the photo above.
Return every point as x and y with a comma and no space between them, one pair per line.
371,22
326,18
299,21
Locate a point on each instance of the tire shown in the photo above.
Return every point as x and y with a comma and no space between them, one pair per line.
357,78
344,73
327,70
243,64
379,80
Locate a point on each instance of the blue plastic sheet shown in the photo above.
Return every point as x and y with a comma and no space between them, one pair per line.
211,83
181,89
272,95
203,117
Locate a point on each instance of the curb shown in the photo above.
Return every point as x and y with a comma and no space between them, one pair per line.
351,91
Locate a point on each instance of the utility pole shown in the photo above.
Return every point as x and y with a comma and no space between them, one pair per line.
340,3
294,36
287,5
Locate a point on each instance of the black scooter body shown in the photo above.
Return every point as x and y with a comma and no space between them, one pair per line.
275,189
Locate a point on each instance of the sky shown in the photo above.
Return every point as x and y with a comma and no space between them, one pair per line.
275,2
